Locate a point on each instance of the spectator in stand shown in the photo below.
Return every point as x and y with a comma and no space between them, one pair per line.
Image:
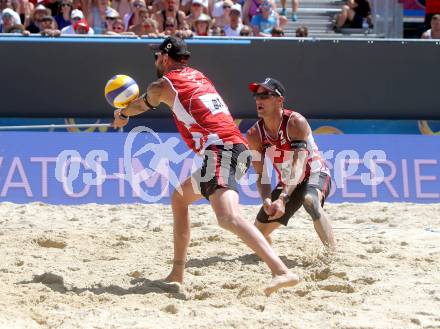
251,8
207,5
221,13
432,7
197,8
94,12
63,17
24,9
81,27
302,32
245,31
76,17
434,31
133,17
8,4
147,27
8,20
123,7
235,24
277,32
353,14
171,28
40,11
202,25
117,27
171,15
266,20
111,15
295,5
48,27
18,29
52,5
76,4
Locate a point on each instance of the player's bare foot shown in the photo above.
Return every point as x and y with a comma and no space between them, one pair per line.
281,281
176,275
173,287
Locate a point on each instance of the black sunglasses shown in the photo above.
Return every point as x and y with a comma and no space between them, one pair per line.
264,95
111,18
138,5
66,5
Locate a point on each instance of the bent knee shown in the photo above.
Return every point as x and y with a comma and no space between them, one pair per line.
312,205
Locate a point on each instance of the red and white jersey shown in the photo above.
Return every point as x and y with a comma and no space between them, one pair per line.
279,151
201,115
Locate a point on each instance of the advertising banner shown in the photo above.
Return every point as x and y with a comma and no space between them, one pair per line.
145,167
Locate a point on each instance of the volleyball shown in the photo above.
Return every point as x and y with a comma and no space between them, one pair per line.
120,90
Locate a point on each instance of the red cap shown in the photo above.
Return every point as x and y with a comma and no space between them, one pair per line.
83,23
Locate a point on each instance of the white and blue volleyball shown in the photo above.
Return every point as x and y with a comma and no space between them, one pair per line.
120,90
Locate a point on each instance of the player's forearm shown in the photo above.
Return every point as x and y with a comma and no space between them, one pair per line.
263,189
299,165
134,108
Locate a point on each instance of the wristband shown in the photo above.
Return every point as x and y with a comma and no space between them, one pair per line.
123,116
144,98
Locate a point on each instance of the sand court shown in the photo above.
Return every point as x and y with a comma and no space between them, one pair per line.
97,266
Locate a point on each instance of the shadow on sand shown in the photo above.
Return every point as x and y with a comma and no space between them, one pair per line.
140,286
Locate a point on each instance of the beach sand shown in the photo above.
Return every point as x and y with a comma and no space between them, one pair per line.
95,266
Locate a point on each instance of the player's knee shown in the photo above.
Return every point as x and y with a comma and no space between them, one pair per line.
177,200
312,206
228,222
345,9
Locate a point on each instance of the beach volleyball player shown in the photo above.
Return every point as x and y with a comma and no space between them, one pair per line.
285,138
207,127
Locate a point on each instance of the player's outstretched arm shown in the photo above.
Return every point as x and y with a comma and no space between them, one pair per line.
147,101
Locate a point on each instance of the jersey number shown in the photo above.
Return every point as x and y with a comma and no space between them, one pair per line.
214,103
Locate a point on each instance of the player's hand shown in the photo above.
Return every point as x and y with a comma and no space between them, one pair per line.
118,122
278,208
267,206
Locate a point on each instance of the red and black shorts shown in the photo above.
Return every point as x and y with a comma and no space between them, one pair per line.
320,181
223,166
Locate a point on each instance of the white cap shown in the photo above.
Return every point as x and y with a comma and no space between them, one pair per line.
76,13
236,7
204,3
112,13
203,18
40,7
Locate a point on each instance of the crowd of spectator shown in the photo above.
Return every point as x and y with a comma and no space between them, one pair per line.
152,18
184,18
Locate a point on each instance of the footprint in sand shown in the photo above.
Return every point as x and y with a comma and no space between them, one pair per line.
50,243
366,280
203,295
374,250
337,287
379,220
231,285
324,273
172,309
213,238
